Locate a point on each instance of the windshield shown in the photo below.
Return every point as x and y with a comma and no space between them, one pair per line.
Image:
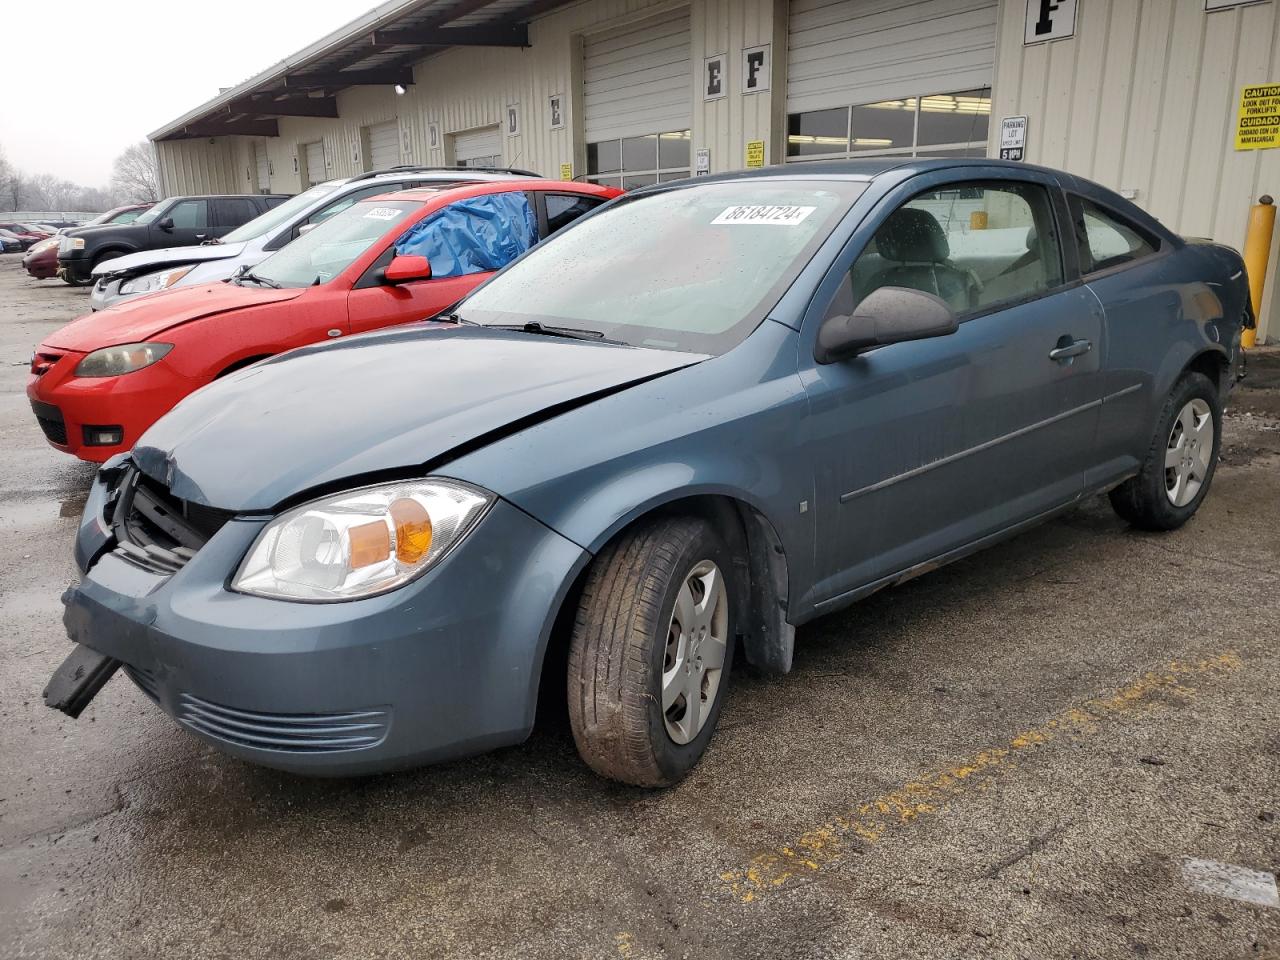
154,212
323,253
279,214
692,269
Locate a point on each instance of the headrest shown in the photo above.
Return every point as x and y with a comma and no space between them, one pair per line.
911,235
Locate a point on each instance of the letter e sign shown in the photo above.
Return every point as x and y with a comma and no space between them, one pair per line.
1050,20
713,77
756,68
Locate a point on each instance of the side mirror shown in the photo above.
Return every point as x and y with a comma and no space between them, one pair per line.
307,228
166,224
887,315
406,269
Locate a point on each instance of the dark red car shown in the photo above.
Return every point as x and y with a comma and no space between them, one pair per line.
41,259
98,383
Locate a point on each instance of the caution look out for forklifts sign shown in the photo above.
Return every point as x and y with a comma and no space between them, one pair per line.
1258,124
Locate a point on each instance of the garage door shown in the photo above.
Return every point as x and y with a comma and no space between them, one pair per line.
860,74
264,167
314,154
636,102
478,148
637,81
384,145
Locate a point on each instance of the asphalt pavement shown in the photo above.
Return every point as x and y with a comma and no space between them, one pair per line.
1028,754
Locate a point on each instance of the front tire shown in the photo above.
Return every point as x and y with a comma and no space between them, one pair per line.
651,651
1180,463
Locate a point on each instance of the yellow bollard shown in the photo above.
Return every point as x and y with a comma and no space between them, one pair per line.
1257,252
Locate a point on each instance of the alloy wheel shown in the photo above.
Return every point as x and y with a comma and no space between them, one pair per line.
1186,459
697,641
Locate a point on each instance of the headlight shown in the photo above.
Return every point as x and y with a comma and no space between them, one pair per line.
362,542
70,243
126,358
151,282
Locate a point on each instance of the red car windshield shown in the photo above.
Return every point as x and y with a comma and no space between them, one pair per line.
321,254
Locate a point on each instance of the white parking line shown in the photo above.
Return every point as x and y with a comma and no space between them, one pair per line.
1234,883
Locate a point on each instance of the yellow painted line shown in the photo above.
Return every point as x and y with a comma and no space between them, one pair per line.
869,821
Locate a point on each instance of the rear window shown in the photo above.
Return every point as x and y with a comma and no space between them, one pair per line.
1108,240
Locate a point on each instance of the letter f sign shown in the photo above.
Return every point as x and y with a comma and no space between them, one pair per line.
1045,23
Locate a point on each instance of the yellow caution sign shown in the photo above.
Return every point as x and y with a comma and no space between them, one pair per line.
755,153
566,171
1258,124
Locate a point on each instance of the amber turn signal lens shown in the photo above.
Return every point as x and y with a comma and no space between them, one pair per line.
413,529
370,543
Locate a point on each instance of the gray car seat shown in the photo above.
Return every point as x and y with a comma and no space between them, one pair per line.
913,252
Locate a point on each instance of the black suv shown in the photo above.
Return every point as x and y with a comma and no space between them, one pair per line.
176,222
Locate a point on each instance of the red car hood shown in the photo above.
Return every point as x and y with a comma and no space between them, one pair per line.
140,319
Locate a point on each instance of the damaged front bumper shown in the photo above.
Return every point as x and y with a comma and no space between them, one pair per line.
446,666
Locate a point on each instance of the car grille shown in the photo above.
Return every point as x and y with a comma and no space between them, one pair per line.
288,732
50,419
158,531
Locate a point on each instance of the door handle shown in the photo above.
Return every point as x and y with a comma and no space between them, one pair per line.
1068,348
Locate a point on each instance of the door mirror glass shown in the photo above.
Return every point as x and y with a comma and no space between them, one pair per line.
407,268
887,315
166,223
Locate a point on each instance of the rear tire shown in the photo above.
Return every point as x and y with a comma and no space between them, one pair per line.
651,651
1180,462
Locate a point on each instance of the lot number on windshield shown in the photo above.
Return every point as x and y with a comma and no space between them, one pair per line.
778,215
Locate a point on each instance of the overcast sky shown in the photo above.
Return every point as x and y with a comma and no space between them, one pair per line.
83,79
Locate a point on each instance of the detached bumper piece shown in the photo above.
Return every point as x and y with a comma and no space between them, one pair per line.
74,684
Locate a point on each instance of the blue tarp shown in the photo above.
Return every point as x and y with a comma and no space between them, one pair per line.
473,236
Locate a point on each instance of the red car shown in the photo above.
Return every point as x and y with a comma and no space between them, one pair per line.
41,260
98,383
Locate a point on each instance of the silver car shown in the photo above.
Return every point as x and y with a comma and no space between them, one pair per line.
151,271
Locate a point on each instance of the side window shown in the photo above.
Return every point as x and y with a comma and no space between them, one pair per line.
190,215
564,208
976,245
477,235
234,211
1107,240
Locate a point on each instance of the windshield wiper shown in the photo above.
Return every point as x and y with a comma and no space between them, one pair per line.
546,330
254,278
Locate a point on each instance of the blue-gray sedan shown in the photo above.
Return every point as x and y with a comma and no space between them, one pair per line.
708,413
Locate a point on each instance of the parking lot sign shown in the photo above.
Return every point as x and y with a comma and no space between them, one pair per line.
1013,138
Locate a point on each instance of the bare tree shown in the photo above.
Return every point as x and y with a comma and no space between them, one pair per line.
135,176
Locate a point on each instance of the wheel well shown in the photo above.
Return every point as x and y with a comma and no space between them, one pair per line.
106,253
1214,366
241,364
767,638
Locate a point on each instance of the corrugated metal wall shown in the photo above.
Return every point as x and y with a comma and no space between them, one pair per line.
1144,98
463,89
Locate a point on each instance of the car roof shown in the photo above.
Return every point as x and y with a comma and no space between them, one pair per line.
866,168
424,194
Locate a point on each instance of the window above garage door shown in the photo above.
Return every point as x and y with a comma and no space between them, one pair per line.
938,125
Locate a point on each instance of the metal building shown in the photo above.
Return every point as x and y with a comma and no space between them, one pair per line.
1140,95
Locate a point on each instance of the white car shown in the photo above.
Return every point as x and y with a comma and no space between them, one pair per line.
151,271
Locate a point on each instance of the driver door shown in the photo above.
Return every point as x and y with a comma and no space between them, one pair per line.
927,446
373,304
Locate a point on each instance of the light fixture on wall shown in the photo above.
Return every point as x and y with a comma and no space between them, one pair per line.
399,89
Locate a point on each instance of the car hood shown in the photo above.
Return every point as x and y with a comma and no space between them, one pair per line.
375,407
148,260
141,318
